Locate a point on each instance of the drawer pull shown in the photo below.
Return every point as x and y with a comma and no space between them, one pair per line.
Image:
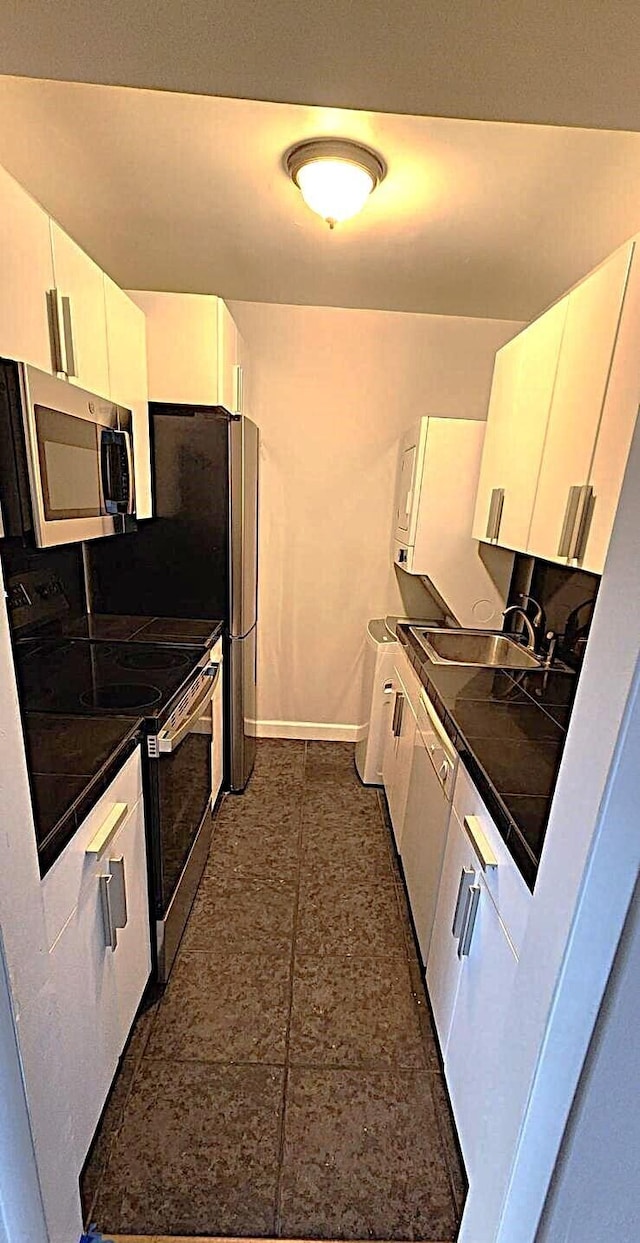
481,846
470,912
467,877
113,900
107,830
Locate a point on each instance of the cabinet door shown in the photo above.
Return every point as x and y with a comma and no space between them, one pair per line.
423,840
586,354
80,280
127,348
229,377
396,763
521,394
482,1002
404,495
132,957
27,275
182,346
443,964
616,427
83,970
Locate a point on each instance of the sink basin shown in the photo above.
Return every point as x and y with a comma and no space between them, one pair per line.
474,647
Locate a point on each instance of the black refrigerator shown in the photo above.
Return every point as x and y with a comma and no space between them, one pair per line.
198,556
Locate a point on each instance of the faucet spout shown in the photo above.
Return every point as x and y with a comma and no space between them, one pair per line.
531,634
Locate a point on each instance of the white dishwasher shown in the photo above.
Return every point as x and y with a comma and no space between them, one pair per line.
433,772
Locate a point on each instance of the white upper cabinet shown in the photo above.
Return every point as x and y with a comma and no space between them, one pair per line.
230,371
563,406
617,424
435,497
26,276
193,349
584,366
127,355
80,287
521,391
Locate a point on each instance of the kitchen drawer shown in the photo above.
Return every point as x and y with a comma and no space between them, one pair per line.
504,883
65,881
99,988
409,678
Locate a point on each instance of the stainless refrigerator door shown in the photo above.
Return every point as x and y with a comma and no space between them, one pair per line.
243,525
242,686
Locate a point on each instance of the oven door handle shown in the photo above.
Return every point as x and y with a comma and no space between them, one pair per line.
169,740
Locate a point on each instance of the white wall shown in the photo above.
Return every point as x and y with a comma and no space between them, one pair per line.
332,391
596,1189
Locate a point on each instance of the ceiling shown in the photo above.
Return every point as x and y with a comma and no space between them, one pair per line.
187,192
568,63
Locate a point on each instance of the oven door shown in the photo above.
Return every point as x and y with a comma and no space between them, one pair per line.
79,459
183,828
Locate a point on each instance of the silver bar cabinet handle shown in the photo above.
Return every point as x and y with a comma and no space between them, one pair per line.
467,877
568,526
471,910
110,934
495,513
583,522
67,333
484,854
58,351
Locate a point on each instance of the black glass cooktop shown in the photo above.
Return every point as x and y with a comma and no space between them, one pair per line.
137,629
79,676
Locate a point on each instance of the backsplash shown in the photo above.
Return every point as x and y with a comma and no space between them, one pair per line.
567,596
62,564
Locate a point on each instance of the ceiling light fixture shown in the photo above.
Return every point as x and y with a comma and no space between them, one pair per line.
334,175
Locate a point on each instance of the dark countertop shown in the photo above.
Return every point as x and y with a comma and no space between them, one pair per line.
71,761
509,729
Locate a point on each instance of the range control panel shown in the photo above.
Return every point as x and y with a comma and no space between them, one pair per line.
35,596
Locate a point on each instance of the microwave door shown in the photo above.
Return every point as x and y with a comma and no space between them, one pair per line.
63,428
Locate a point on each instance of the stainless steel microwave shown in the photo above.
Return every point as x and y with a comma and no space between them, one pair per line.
66,459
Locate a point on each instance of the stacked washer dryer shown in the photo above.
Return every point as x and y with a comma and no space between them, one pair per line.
377,693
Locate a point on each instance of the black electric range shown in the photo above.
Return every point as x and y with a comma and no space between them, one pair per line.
166,689
83,677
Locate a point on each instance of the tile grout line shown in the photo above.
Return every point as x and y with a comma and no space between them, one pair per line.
287,1042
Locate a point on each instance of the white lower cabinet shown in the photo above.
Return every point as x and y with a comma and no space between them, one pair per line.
99,987
480,919
443,964
398,750
484,985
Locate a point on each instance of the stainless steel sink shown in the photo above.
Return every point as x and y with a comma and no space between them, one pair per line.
474,647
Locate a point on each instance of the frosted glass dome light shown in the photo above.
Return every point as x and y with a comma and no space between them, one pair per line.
334,176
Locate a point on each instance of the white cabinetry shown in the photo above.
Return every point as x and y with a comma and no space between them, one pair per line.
193,349
127,356
79,283
480,921
584,365
26,276
521,391
99,987
230,364
564,403
426,818
398,749
437,482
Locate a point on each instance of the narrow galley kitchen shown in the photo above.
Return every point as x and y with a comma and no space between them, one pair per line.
287,1084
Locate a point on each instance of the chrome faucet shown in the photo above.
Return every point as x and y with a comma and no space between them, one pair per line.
531,634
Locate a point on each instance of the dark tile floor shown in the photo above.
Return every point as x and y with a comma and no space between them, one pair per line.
287,1084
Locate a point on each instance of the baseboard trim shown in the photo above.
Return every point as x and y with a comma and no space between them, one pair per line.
309,730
